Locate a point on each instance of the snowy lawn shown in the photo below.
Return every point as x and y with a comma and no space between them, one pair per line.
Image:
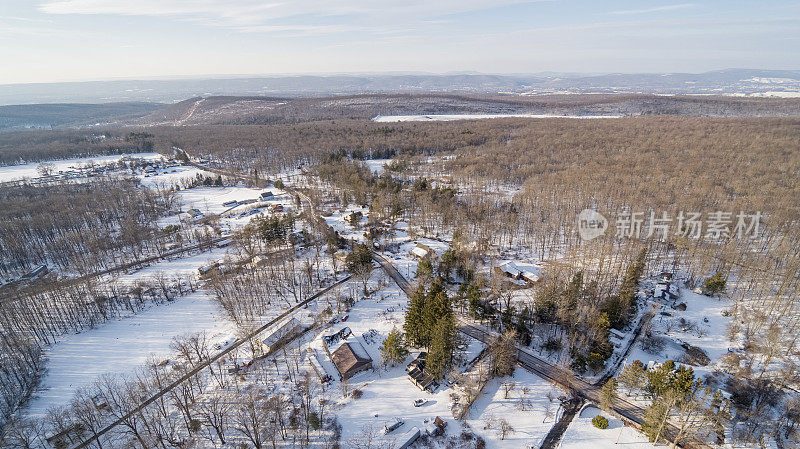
530,425
704,326
581,434
123,345
170,176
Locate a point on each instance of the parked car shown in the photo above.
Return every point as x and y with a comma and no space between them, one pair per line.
420,402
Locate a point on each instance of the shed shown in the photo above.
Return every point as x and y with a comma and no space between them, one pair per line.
407,439
279,334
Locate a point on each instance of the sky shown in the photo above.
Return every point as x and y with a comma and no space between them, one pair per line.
81,40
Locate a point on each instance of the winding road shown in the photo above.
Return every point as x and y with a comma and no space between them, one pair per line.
580,388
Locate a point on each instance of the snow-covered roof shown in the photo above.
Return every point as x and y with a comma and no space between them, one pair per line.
419,252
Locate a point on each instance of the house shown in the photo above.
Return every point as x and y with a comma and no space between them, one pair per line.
417,375
350,359
266,196
422,251
510,269
277,336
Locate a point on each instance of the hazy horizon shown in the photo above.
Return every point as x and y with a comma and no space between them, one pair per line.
47,41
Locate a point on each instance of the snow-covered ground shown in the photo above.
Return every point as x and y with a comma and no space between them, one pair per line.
450,117
182,267
338,220
171,176
703,326
123,345
377,165
530,425
31,170
581,434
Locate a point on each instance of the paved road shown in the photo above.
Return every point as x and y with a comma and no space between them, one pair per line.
557,375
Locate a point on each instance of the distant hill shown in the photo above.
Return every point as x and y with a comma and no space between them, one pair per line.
46,116
720,82
251,110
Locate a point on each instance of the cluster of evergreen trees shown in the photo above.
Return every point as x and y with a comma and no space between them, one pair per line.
274,228
430,323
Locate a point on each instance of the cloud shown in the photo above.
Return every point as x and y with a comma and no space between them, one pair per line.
305,16
655,9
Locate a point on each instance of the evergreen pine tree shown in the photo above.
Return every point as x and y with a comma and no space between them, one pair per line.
394,349
413,326
442,347
437,307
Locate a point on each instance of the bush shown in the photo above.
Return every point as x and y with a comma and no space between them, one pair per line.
357,394
715,284
600,422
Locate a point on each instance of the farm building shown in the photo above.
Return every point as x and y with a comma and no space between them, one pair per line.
266,196
280,334
37,272
224,243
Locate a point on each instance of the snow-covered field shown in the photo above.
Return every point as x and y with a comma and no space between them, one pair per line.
31,170
581,434
123,345
170,176
530,425
377,165
450,117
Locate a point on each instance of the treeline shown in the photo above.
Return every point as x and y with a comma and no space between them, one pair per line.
40,146
80,226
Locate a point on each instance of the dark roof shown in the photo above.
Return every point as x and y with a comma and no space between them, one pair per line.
348,362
